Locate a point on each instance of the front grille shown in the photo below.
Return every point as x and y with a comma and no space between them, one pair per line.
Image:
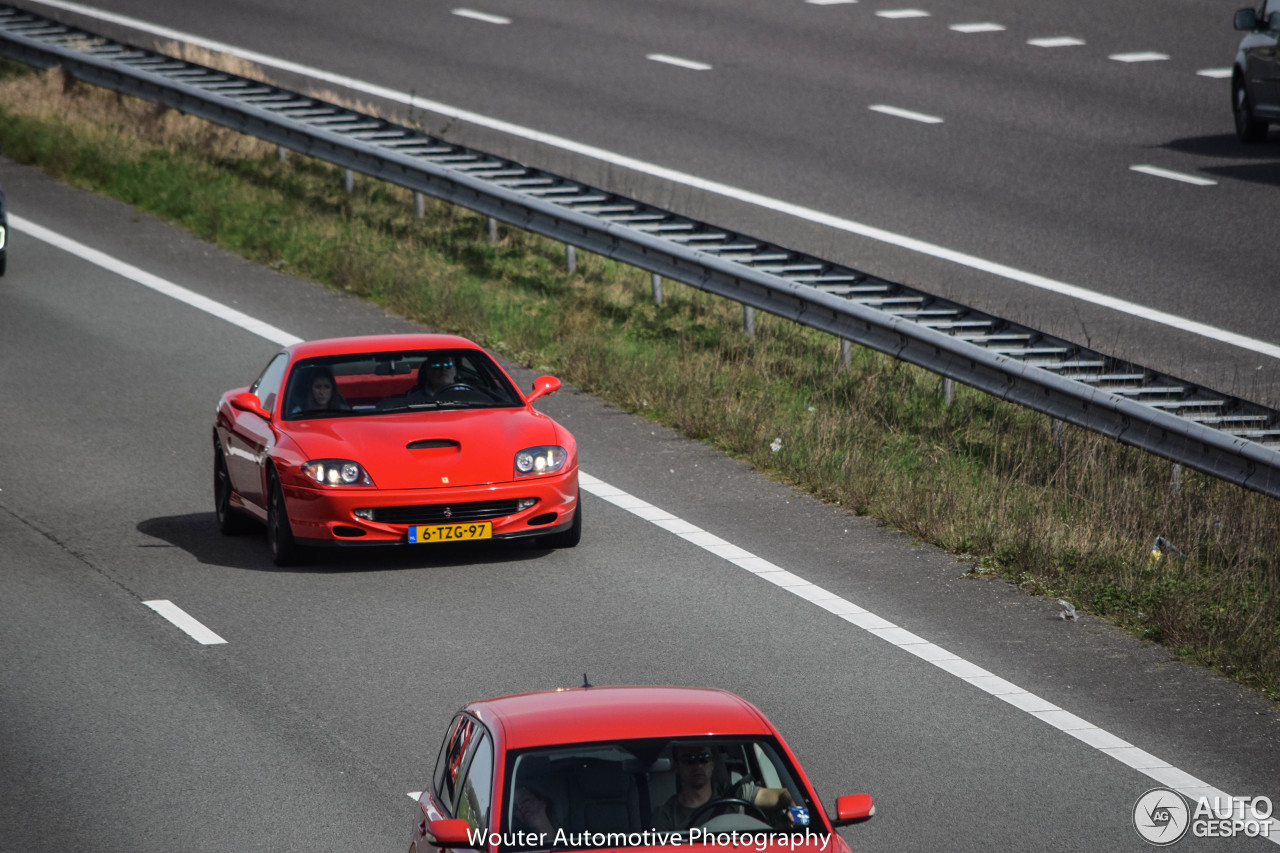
436,513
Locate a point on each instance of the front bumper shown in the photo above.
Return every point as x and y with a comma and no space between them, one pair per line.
328,516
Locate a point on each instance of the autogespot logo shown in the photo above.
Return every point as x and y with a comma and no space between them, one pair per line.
1161,817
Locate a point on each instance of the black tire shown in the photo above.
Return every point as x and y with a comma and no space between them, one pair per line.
285,551
230,521
566,538
1249,129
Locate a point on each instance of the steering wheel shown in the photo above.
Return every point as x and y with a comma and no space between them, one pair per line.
727,801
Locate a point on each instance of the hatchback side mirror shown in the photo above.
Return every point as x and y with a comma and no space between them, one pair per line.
1247,20
853,808
452,832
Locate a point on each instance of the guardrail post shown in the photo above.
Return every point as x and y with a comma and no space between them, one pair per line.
1057,429
948,391
419,205
349,181
657,288
570,258
749,321
493,230
282,153
1175,479
846,352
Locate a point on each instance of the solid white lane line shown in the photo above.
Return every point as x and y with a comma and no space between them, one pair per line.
860,617
1145,56
185,621
677,61
829,2
1057,41
1041,709
1215,73
869,232
481,16
898,14
168,288
1175,176
901,113
977,28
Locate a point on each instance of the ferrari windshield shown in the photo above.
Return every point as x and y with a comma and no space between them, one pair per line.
650,792
369,384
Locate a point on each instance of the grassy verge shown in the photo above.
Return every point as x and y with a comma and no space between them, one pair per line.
983,479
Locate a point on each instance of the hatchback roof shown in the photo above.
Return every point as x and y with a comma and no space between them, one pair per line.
587,714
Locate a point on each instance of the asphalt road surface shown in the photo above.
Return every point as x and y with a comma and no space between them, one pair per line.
977,718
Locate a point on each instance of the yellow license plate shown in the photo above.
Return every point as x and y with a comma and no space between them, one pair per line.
421,534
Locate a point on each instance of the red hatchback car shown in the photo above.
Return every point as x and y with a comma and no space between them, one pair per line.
392,439
651,768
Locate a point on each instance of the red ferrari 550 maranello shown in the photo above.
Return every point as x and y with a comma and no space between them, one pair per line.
392,439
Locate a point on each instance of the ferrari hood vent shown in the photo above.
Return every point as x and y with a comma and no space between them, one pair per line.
432,443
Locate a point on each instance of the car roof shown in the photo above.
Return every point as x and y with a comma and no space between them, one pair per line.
378,343
588,714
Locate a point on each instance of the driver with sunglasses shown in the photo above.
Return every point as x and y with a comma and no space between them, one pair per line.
697,785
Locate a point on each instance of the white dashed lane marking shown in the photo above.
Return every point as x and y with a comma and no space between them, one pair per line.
481,16
1142,56
1174,176
897,14
907,114
677,61
186,622
977,28
1056,41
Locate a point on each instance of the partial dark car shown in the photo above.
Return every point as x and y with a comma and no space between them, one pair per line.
1255,80
4,233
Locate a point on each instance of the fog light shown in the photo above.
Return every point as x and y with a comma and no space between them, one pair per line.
366,514
525,503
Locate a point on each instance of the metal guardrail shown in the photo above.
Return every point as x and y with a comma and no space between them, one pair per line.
1191,425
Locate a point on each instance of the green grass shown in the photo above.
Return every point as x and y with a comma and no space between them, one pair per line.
980,478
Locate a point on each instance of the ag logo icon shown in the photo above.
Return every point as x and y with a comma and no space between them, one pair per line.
1161,817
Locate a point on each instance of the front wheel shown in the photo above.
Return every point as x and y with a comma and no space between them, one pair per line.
1248,128
230,522
566,538
285,551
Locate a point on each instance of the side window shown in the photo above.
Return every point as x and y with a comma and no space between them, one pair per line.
1269,9
449,766
267,386
476,793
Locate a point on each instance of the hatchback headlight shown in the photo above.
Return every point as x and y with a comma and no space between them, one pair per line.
337,472
535,461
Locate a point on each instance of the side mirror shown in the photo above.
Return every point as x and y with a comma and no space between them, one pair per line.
1247,20
247,402
542,386
454,832
853,808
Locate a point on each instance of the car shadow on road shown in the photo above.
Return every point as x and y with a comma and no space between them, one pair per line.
1259,164
197,534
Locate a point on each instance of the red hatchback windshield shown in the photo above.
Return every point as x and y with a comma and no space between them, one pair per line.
651,792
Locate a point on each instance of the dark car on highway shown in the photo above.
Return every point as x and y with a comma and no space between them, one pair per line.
1255,80
4,233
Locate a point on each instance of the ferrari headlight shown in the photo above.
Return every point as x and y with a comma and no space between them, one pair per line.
535,461
337,472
